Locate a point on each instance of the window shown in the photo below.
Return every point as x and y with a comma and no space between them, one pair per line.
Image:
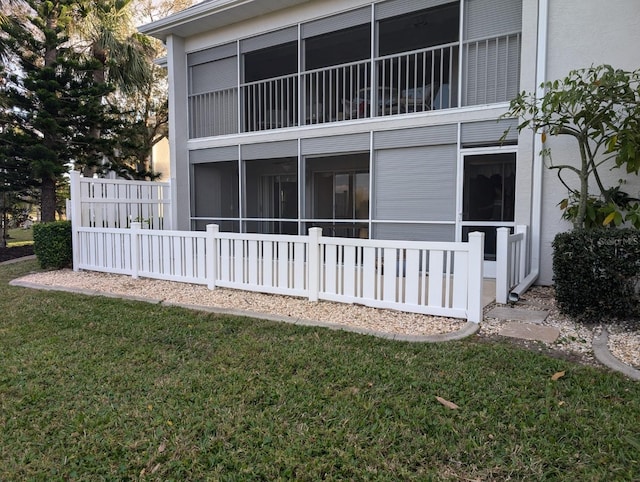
215,194
272,196
488,196
340,47
418,30
271,62
339,191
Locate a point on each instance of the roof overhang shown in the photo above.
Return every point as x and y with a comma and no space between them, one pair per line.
211,15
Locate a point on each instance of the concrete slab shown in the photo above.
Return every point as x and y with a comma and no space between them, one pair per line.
488,291
516,314
527,331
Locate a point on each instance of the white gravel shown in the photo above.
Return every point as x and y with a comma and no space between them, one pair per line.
388,321
576,338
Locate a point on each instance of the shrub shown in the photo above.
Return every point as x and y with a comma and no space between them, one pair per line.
597,273
52,244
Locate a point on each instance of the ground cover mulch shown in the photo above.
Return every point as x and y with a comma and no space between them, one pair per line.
7,254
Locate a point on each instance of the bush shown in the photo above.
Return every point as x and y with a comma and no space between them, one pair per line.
52,244
597,273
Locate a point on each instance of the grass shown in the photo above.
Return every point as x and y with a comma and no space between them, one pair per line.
103,389
19,237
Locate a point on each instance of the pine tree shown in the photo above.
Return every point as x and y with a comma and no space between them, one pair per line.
52,101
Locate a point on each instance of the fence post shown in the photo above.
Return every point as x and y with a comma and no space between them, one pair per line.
313,268
524,250
503,259
211,250
475,273
76,217
135,248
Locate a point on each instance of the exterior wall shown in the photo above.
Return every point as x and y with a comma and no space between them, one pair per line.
178,131
161,160
584,33
440,217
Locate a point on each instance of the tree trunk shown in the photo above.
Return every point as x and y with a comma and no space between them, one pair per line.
48,200
3,241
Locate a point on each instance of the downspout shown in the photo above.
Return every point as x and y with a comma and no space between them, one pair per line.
538,162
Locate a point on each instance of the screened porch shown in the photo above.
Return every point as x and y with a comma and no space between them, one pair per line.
391,58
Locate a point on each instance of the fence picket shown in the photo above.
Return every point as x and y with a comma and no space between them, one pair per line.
436,278
253,262
299,278
460,275
267,264
390,267
349,267
412,278
425,278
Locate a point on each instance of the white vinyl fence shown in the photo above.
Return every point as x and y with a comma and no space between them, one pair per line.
116,203
434,278
511,260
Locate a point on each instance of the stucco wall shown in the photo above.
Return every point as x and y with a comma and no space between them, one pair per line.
584,33
160,156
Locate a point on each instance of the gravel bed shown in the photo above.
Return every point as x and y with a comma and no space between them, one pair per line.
575,338
388,321
624,344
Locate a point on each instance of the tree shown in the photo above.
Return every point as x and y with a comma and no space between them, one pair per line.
599,107
122,59
52,103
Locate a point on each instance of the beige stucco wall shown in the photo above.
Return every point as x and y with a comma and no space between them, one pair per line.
160,159
582,33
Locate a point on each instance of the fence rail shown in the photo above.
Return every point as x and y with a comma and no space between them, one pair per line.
511,260
443,279
115,203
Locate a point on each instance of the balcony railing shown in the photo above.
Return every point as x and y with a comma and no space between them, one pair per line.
416,81
213,113
491,69
270,104
332,94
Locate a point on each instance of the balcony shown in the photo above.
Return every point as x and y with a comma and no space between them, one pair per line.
421,80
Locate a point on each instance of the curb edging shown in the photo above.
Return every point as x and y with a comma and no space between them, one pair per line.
604,356
470,328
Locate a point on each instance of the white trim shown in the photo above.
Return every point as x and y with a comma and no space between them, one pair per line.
487,150
241,190
371,183
459,182
397,221
378,124
538,162
460,54
301,184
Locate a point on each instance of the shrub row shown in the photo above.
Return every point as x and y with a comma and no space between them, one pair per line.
52,244
597,273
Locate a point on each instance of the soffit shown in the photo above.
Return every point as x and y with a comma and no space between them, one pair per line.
211,15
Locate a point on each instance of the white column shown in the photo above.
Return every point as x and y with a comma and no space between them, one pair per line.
178,132
524,251
502,265
476,263
76,217
212,255
136,227
313,263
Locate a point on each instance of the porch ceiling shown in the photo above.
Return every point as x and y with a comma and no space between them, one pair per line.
212,14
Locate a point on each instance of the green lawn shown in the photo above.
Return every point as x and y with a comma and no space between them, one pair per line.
20,237
103,389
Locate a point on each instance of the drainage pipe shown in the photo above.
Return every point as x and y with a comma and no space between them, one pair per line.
538,161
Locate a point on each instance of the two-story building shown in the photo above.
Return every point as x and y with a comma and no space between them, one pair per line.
376,119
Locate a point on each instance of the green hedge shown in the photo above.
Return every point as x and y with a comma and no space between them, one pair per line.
52,244
597,274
